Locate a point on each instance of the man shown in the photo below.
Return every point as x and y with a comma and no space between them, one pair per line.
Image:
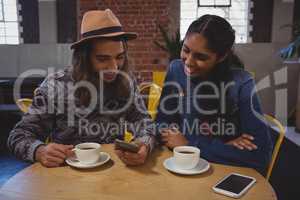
88,102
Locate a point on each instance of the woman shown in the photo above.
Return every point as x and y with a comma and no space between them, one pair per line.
207,100
89,102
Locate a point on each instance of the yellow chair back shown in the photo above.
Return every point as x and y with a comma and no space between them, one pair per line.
154,88
281,129
155,91
24,104
128,136
159,78
153,97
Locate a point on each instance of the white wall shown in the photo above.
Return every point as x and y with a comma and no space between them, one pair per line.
15,59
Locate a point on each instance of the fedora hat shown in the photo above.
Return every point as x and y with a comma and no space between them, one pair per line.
101,24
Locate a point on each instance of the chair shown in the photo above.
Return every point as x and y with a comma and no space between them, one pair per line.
272,121
24,104
159,78
128,136
155,88
153,97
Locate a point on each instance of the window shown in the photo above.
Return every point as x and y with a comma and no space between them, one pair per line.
237,14
214,3
9,26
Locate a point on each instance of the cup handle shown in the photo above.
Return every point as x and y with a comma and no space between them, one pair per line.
73,158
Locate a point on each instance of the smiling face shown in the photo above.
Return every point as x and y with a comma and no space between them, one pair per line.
198,59
107,56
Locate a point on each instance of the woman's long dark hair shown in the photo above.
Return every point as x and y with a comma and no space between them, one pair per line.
83,71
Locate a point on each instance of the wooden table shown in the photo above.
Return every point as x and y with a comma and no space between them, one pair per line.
115,181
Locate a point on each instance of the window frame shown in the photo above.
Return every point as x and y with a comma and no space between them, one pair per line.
2,11
215,5
6,36
241,23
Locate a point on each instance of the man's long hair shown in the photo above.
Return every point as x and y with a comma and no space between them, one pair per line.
83,71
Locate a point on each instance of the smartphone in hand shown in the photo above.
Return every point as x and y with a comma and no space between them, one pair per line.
126,146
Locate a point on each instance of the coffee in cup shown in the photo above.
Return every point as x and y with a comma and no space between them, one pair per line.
87,153
186,157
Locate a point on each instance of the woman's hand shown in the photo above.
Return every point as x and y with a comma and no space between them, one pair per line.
245,141
134,159
173,138
53,155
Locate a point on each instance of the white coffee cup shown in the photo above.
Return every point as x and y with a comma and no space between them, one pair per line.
186,157
87,153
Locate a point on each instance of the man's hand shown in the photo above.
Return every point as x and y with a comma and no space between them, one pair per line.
173,138
243,142
134,159
53,155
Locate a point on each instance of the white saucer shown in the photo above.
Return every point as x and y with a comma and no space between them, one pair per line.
201,167
104,157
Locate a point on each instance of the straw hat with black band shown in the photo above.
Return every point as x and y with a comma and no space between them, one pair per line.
101,24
